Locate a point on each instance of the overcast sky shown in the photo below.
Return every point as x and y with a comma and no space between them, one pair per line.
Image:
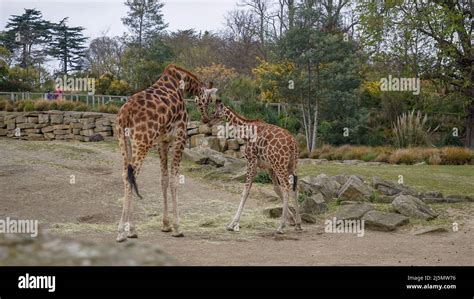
98,16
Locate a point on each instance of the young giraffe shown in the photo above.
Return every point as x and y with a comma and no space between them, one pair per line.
157,116
268,147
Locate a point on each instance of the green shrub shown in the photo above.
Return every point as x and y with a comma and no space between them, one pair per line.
42,105
262,178
369,156
65,105
112,109
53,105
405,156
9,107
81,107
102,108
304,154
29,106
450,140
3,104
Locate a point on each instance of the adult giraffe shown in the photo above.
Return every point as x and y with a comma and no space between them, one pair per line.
271,148
157,116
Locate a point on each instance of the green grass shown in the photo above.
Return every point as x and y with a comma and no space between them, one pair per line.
448,179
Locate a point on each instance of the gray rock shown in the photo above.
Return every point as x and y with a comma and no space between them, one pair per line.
385,187
430,230
413,207
205,129
233,144
275,212
192,132
385,199
308,218
355,189
194,156
432,194
356,211
341,179
96,137
193,124
240,176
197,140
268,195
314,205
322,183
348,202
56,119
384,221
91,115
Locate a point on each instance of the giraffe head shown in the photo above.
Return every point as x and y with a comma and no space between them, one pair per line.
203,99
219,114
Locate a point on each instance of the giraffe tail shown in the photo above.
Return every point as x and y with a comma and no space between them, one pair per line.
130,171
295,182
132,181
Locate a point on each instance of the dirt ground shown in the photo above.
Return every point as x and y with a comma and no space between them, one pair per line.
35,183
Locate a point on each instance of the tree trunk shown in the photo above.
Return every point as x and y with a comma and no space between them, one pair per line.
470,128
291,13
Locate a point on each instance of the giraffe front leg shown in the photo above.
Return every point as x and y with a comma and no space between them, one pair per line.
251,171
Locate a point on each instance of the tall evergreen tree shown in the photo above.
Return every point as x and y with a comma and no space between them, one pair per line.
68,46
26,36
144,19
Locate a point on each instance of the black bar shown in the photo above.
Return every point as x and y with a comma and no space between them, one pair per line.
213,282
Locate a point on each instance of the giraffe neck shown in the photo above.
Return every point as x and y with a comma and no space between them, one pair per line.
235,119
192,85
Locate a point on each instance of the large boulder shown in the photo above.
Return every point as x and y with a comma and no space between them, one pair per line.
322,183
389,188
384,221
351,212
355,190
313,205
413,207
194,156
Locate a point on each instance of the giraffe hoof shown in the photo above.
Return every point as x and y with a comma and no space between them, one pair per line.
178,235
166,229
132,235
233,227
280,231
121,238
298,228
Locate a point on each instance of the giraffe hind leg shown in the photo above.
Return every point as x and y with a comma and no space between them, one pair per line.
276,186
